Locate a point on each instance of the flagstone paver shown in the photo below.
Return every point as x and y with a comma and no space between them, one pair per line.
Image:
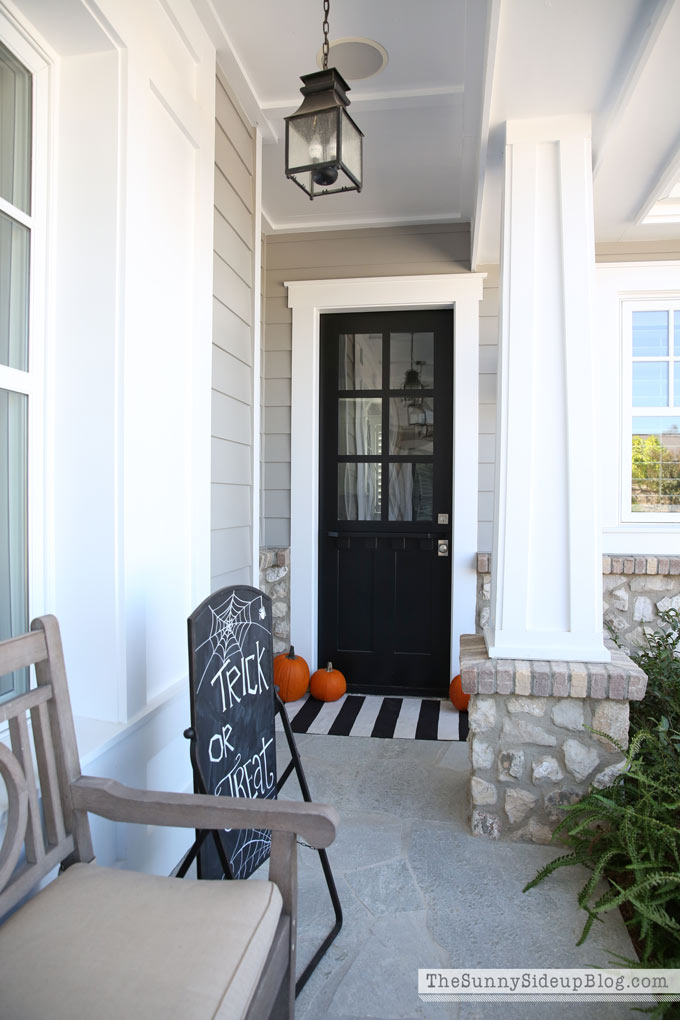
419,890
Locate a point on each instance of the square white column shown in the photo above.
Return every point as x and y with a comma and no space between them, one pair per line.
546,596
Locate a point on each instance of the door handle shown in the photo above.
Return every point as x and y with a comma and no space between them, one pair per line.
442,547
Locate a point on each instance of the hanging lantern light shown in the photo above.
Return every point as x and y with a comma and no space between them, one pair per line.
323,144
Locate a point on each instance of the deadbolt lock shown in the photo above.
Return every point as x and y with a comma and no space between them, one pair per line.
442,547
442,518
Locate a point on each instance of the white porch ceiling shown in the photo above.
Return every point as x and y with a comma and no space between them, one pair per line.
613,59
420,115
458,69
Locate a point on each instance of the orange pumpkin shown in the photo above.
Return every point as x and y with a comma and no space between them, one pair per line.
327,684
459,700
291,675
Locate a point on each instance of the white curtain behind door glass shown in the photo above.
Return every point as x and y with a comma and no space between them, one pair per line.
360,434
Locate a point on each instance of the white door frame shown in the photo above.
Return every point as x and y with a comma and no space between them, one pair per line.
308,299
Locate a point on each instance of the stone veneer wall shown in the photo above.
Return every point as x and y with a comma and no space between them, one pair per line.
530,746
635,588
275,582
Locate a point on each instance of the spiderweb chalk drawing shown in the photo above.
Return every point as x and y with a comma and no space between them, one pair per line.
232,688
229,625
251,849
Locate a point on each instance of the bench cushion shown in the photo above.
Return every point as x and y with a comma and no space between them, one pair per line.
103,943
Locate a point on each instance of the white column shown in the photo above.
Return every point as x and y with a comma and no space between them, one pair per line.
546,597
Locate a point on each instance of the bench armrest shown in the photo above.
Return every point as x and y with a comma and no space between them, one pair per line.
316,823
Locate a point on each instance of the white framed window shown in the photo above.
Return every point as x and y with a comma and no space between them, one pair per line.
651,410
23,106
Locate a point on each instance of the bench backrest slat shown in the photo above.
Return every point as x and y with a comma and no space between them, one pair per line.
39,767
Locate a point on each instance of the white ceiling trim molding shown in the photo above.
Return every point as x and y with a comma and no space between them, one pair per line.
309,299
354,223
605,124
395,99
490,48
668,179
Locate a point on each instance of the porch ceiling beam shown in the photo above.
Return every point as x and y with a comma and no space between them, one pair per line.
233,71
490,48
626,80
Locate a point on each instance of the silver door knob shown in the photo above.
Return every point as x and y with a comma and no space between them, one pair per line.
442,547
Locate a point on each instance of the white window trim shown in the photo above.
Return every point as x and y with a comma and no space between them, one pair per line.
309,299
628,411
617,282
32,382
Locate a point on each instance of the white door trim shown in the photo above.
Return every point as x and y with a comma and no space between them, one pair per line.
308,299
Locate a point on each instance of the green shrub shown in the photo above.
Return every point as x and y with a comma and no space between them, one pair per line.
629,833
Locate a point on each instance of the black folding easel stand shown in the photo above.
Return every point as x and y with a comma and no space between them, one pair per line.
295,764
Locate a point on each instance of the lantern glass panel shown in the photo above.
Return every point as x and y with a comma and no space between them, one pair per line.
351,147
312,139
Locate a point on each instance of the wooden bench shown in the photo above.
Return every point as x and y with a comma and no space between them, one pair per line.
107,943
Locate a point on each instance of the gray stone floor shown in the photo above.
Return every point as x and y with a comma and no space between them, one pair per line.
419,891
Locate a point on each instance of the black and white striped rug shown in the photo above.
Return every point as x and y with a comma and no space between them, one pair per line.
360,715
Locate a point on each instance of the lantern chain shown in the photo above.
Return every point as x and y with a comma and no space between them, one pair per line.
326,28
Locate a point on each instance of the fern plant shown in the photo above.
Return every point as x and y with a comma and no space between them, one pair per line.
629,833
659,657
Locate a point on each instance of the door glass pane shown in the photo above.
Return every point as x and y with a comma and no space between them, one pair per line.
13,524
650,384
411,425
410,493
14,248
359,492
411,361
650,334
360,361
676,334
655,479
15,131
360,426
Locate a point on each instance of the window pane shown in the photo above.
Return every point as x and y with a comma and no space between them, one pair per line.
676,383
676,334
13,524
650,334
411,361
351,146
360,361
14,256
360,426
410,492
411,425
359,492
312,139
650,384
656,465
15,131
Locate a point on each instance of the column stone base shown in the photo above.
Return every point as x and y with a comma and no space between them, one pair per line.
530,748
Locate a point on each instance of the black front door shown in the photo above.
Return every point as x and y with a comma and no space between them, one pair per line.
385,495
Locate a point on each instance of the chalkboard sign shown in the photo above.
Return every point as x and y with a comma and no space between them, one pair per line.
232,715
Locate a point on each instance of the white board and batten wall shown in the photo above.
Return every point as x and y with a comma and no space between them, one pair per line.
130,131
235,336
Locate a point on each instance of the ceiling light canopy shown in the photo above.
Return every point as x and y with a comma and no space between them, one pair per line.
355,58
323,144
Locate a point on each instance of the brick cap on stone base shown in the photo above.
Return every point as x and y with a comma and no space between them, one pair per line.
619,679
614,564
